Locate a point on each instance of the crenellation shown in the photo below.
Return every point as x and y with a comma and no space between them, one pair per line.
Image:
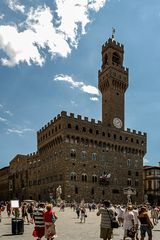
99,122
63,113
58,116
86,119
72,115
55,119
136,132
92,120
79,117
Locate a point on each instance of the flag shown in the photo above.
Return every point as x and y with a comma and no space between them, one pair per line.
108,175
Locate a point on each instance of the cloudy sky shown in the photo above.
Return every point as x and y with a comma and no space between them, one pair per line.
50,53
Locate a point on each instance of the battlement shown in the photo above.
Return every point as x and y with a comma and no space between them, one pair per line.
112,42
136,132
32,154
71,116
122,69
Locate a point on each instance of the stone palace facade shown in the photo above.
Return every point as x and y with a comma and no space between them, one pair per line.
90,160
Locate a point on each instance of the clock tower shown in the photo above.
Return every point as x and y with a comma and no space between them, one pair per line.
113,82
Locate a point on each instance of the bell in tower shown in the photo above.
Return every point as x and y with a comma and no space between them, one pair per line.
113,82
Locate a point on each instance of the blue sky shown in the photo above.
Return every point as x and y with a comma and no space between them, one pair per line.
50,54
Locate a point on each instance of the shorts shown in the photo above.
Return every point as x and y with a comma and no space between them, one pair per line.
106,233
145,229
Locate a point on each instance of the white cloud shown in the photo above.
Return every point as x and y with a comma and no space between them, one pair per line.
96,5
9,113
90,89
74,84
58,34
19,132
146,162
73,103
1,16
15,5
94,99
3,119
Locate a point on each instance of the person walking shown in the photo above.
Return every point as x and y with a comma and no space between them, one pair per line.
83,214
8,207
128,223
24,212
146,224
136,222
38,218
77,210
120,213
107,213
50,218
154,215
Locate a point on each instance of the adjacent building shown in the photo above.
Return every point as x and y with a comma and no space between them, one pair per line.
152,184
4,184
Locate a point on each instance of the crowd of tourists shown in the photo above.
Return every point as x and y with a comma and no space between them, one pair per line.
40,214
136,221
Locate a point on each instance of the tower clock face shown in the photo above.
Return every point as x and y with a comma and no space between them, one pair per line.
117,122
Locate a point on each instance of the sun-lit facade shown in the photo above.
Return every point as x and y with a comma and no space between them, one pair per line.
91,160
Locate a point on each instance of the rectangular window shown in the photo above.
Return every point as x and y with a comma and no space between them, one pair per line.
94,156
84,155
129,182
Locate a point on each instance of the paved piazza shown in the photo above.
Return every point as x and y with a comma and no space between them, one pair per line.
68,228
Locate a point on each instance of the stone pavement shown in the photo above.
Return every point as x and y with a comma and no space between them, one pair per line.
68,228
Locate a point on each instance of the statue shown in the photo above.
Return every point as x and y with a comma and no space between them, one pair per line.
145,198
129,199
58,194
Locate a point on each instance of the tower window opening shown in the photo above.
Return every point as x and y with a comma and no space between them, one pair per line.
106,59
115,59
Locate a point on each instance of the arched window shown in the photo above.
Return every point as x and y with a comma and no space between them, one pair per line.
73,153
76,127
84,129
73,176
94,178
90,130
84,177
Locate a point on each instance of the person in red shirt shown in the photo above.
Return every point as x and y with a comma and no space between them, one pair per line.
50,218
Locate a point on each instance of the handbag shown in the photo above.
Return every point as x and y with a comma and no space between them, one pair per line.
114,222
150,224
131,233
34,233
54,218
